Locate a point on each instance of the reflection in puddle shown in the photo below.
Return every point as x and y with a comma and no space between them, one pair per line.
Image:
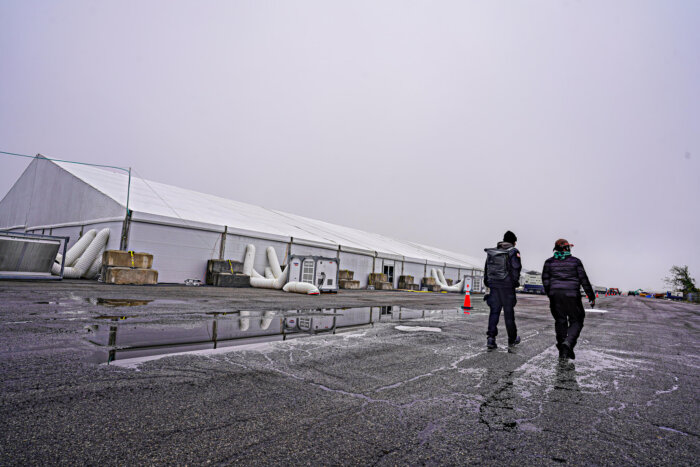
124,340
117,302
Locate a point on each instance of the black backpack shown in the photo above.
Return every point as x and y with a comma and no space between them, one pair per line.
498,264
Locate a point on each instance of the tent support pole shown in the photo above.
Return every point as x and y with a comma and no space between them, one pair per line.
124,243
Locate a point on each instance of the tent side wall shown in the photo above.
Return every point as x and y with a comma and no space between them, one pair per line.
179,253
307,249
417,270
360,264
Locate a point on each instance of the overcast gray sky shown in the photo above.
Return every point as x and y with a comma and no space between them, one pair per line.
441,122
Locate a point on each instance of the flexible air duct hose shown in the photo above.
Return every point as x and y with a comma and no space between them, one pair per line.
249,259
94,269
268,273
274,262
435,276
86,259
74,252
96,266
301,287
263,283
80,246
440,279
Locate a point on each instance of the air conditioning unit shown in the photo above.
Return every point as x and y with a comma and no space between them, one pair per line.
317,270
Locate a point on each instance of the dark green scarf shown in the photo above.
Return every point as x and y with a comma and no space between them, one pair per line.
561,254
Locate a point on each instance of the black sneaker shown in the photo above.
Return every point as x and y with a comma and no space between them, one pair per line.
569,351
515,342
491,343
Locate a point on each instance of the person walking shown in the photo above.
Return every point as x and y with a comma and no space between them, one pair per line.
563,276
502,276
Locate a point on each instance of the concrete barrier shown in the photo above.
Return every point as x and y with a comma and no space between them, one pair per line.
135,276
123,259
226,279
348,284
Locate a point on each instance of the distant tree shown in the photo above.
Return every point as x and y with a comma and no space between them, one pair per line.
680,280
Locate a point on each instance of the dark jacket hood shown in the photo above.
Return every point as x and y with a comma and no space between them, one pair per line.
504,245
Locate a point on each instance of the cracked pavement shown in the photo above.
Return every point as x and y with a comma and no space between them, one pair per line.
370,395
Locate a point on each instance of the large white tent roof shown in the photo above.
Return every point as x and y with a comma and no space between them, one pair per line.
157,201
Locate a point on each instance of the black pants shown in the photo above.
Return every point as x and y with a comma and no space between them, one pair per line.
505,299
568,316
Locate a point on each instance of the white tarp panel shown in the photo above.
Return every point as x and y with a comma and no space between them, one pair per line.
307,250
359,264
178,253
414,269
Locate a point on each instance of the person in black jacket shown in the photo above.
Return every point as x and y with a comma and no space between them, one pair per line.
562,277
502,278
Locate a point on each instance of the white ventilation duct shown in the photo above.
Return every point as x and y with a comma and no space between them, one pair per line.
301,287
440,279
249,259
94,270
89,257
274,277
274,262
264,283
74,252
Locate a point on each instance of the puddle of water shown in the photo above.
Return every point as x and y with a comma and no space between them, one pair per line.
417,328
122,339
117,302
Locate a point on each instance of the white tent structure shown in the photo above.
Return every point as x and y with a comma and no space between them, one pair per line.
184,228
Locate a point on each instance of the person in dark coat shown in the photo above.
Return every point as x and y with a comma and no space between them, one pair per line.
563,276
502,276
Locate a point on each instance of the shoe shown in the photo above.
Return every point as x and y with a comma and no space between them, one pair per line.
515,342
569,351
491,343
563,353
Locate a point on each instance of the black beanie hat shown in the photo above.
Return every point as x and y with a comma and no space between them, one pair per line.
510,237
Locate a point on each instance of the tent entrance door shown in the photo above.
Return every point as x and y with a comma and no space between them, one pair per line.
389,271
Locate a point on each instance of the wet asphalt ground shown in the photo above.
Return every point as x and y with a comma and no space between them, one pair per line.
368,395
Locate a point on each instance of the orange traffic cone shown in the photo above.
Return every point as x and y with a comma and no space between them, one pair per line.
467,301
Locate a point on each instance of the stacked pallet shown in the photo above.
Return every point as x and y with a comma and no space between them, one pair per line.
226,273
430,283
406,283
128,267
345,279
379,281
